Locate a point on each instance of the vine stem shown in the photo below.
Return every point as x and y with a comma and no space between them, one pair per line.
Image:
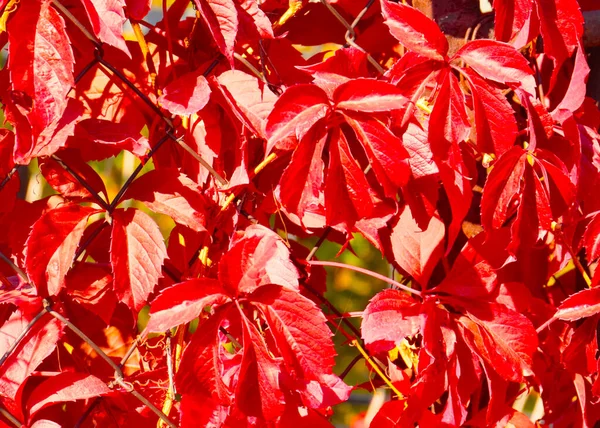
372,363
576,262
365,272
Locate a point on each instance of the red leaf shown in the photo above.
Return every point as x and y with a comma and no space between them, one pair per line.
368,95
107,18
414,30
499,62
591,239
63,387
221,19
181,303
448,123
385,151
202,370
187,94
561,25
494,117
66,184
41,70
249,98
137,252
299,329
348,195
296,111
511,18
388,318
583,304
260,257
169,192
52,244
138,9
258,392
504,338
115,136
38,342
417,251
502,188
306,166
575,94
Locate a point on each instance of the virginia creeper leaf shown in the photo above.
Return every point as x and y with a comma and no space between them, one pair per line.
52,244
187,94
63,387
137,252
414,30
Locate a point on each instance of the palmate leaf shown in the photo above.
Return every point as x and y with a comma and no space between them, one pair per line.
345,196
414,30
52,244
65,387
255,276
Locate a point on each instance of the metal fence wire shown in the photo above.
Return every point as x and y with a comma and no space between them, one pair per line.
49,311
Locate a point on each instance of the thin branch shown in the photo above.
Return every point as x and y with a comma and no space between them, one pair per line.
76,22
10,417
351,366
14,267
318,244
367,272
8,176
118,372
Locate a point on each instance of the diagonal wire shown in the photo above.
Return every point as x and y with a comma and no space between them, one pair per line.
350,35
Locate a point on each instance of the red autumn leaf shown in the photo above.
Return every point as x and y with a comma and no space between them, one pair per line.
183,302
138,9
250,99
258,392
259,258
66,184
113,136
499,62
137,252
41,73
52,244
295,112
414,30
511,18
65,387
448,123
592,239
169,192
561,26
107,18
388,318
583,304
37,343
306,166
348,195
417,251
368,95
385,151
202,367
502,188
222,21
186,95
494,117
575,94
299,329
505,339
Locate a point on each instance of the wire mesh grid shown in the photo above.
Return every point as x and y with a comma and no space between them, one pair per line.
49,312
